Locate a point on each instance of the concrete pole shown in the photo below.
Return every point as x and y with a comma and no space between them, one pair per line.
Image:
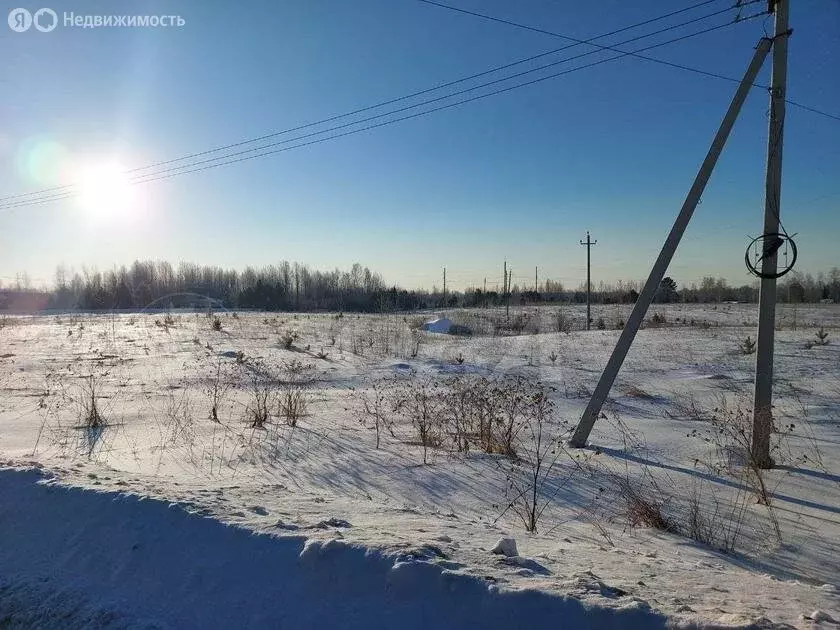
645,298
763,399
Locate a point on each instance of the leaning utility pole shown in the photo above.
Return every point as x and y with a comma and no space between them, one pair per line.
622,346
763,399
589,243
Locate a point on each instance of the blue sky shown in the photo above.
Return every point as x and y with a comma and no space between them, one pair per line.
523,175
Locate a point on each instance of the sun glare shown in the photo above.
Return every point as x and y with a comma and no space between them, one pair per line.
106,191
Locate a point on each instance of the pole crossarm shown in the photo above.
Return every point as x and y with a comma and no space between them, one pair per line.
625,340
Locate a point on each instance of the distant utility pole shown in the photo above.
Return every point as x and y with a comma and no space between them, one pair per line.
505,289
589,243
444,287
763,399
509,283
536,283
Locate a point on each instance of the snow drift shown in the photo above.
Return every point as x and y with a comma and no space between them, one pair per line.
79,558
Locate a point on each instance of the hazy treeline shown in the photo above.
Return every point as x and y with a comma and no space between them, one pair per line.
293,286
158,284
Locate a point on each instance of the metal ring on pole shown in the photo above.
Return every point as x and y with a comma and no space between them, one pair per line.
770,244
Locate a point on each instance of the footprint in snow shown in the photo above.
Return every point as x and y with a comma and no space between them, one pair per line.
258,509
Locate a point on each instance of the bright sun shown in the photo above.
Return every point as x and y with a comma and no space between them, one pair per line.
106,191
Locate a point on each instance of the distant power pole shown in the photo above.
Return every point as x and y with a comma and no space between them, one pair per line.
763,398
589,243
505,288
444,287
536,283
510,280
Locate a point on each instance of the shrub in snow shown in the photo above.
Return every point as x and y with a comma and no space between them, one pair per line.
747,346
373,406
822,337
294,390
89,415
419,402
288,339
217,389
562,323
262,388
532,478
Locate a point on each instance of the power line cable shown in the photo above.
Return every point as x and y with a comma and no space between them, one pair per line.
577,41
715,75
433,100
397,99
189,167
812,110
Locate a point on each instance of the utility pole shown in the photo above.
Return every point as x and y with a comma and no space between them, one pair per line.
628,333
505,290
444,287
763,399
589,243
509,290
536,283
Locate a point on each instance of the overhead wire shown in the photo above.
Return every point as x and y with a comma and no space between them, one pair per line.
227,159
390,101
687,68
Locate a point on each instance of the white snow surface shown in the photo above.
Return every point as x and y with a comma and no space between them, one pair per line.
157,522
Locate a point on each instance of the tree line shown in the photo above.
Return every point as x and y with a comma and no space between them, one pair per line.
293,286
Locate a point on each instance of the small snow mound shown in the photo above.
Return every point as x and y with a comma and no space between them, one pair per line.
532,566
332,522
281,525
444,538
439,325
588,583
506,546
820,616
314,549
737,621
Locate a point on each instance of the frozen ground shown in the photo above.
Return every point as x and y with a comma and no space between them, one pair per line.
387,532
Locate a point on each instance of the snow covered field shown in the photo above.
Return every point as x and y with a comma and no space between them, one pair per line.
659,523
